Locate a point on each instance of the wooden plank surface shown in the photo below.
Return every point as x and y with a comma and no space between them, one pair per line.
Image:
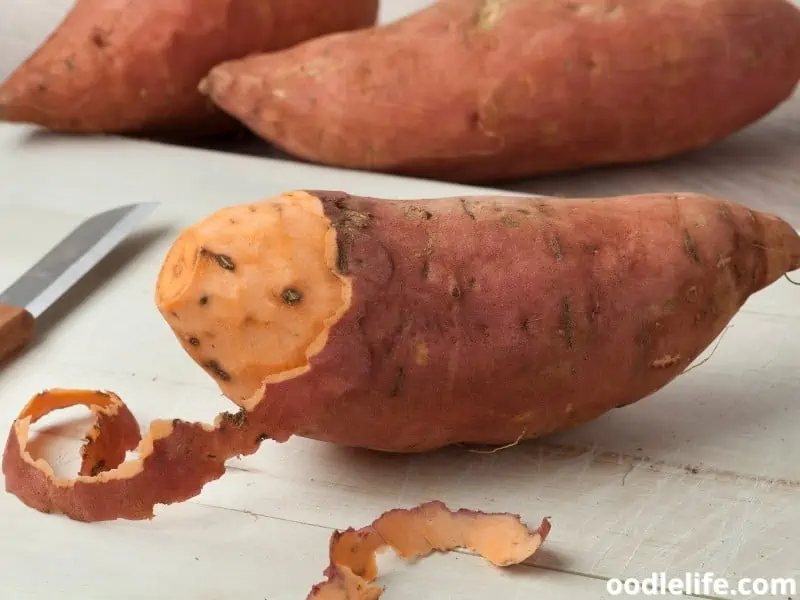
700,477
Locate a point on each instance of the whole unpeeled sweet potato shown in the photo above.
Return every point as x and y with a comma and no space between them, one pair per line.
410,325
118,66
481,90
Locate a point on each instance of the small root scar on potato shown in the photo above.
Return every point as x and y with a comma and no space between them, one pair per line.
500,538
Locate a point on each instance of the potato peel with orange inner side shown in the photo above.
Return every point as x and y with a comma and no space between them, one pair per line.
500,538
175,459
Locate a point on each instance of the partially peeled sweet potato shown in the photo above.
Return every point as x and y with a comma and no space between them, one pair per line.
485,90
116,66
406,326
409,325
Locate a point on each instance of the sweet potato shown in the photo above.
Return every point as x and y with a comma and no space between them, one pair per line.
408,325
116,66
485,90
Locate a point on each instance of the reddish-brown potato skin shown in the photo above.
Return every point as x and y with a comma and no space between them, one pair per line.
176,470
488,90
535,315
117,66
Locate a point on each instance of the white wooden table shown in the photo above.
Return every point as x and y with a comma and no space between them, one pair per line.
702,476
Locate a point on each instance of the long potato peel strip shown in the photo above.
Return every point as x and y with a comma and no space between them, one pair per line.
175,459
500,538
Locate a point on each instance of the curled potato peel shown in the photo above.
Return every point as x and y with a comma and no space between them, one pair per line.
175,459
500,538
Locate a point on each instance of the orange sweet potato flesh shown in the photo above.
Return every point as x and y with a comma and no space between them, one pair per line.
118,66
409,325
485,90
500,538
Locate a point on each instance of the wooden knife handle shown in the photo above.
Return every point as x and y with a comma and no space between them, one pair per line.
16,329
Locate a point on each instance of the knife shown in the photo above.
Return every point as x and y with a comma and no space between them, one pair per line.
44,283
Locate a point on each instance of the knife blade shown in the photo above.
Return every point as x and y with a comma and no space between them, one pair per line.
63,266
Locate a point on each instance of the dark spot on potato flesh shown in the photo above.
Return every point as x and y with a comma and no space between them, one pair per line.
214,367
223,260
291,296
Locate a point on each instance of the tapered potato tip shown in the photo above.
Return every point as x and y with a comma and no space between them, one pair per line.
780,246
26,97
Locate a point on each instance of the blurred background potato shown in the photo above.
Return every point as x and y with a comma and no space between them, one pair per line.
24,24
